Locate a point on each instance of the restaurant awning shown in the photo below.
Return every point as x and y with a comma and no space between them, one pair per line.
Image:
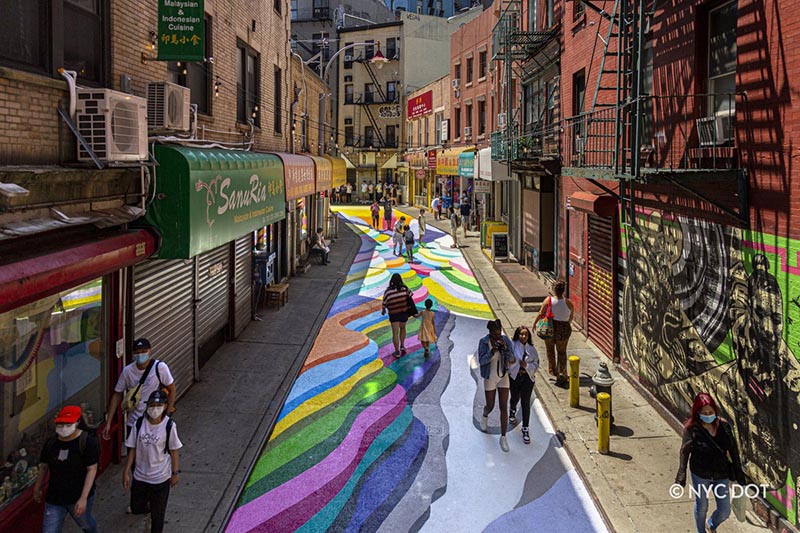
466,164
603,205
447,160
347,162
207,197
324,173
33,275
298,174
339,171
391,162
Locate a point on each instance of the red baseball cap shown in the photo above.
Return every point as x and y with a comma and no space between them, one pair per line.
68,415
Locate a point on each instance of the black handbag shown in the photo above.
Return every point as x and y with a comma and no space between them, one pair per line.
411,306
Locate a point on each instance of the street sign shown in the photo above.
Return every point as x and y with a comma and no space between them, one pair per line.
499,246
181,30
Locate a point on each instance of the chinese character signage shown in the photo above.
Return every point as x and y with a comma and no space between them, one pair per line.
181,30
420,105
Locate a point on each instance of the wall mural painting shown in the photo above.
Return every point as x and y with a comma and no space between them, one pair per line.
711,308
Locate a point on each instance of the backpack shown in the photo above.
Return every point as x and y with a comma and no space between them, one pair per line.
409,237
458,221
134,396
82,438
170,423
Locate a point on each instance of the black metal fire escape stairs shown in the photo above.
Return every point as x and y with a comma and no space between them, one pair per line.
366,105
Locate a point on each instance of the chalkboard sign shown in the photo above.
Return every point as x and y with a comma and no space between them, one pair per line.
499,246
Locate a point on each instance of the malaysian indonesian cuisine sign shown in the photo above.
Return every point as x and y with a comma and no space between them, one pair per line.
420,105
213,197
181,30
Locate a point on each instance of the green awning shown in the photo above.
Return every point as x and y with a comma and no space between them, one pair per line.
466,164
205,198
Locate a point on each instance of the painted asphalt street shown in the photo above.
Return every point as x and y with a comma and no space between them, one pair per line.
372,443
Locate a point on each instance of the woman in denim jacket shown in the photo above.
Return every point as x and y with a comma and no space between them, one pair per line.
495,354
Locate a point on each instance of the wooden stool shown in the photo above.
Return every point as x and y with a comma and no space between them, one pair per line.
277,294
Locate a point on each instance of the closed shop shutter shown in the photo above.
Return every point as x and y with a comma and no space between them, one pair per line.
213,274
600,270
243,282
163,313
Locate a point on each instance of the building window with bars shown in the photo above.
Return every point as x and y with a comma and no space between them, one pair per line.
248,84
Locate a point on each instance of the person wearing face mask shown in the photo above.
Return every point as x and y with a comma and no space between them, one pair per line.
142,377
71,458
709,447
153,446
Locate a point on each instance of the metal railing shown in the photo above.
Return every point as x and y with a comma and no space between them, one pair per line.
687,132
533,143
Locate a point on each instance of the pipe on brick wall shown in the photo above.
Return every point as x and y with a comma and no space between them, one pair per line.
72,77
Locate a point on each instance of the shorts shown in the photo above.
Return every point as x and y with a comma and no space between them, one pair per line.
495,382
398,317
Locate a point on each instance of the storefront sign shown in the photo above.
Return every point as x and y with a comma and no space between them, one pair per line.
181,30
416,159
420,105
299,175
431,159
447,162
324,173
466,165
483,187
213,197
499,246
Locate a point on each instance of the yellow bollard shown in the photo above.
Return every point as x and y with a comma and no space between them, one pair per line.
574,381
603,422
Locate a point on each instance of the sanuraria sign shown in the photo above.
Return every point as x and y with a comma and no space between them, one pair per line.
420,105
181,30
204,201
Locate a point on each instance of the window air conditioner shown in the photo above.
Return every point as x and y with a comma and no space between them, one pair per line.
456,83
168,106
725,121
348,59
467,132
501,120
114,125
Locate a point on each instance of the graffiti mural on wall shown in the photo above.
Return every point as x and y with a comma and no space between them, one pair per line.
710,308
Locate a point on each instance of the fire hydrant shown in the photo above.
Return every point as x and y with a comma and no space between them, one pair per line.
603,381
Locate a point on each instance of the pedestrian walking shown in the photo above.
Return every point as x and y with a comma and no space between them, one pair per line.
709,448
495,354
349,191
427,327
387,212
376,215
137,381
397,302
70,457
454,223
153,447
379,189
371,191
561,310
397,236
465,209
423,227
364,191
523,376
408,238
436,207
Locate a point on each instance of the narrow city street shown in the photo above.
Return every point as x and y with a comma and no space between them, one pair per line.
367,442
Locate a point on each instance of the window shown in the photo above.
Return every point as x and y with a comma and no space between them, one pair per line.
528,114
482,65
29,30
722,59
533,15
348,136
578,100
391,91
369,93
427,130
410,135
552,89
468,117
348,53
457,74
550,13
348,79
294,9
391,139
369,137
369,50
419,132
278,99
248,84
578,10
348,94
482,117
437,124
647,88
391,48
198,76
278,5
321,10
457,123
469,70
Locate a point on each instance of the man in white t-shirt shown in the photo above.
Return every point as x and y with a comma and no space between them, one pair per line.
435,207
158,376
364,190
153,446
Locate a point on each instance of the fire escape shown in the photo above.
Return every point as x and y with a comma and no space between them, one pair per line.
520,53
369,99
634,136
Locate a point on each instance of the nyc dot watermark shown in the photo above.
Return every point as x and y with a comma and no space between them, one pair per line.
751,490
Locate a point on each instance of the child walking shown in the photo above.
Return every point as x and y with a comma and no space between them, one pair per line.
408,237
427,327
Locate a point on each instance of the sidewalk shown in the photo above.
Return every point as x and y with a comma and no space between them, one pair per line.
631,483
224,419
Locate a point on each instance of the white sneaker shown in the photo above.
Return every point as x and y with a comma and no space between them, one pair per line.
484,423
526,437
503,443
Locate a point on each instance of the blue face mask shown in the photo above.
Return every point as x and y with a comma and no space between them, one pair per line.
708,419
141,358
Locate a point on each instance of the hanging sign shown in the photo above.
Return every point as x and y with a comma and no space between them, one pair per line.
181,30
420,105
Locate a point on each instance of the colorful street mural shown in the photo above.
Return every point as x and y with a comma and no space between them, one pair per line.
368,442
710,308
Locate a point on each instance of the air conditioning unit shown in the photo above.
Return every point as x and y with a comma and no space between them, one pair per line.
456,83
114,125
445,129
348,59
725,121
501,120
467,132
168,106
